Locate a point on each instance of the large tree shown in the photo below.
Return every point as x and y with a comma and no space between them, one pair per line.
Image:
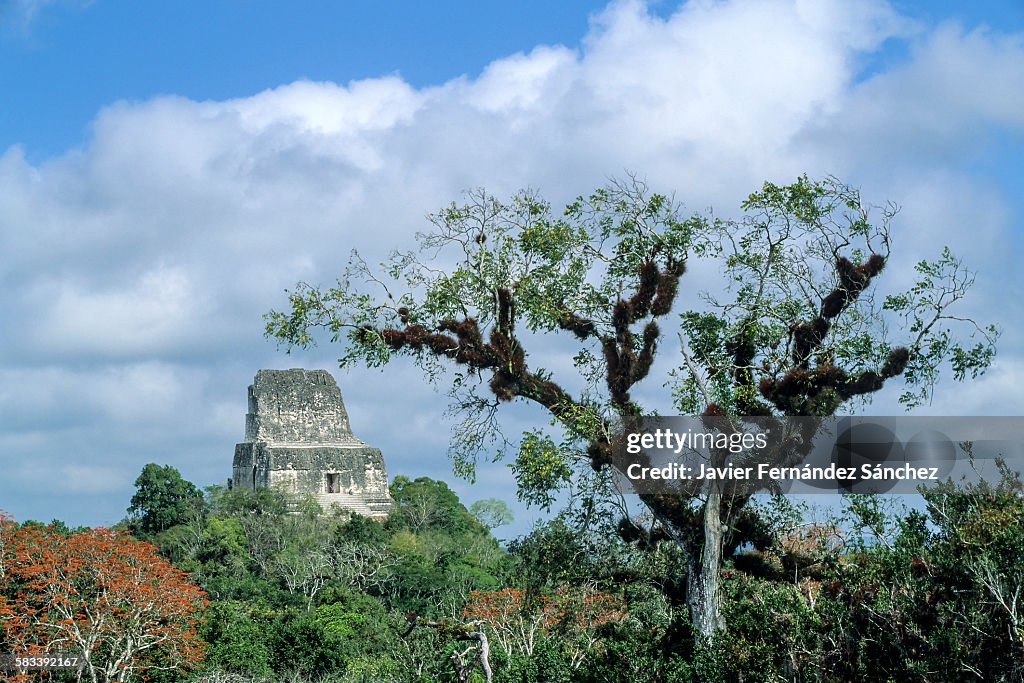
162,499
109,599
793,328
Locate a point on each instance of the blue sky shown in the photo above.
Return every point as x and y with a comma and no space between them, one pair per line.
167,169
71,59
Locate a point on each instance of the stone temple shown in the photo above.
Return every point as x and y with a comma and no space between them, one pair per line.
298,440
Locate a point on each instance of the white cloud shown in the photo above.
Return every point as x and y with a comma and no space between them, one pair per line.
733,81
524,83
935,110
326,108
152,314
137,266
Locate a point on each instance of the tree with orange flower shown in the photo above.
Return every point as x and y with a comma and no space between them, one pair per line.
111,599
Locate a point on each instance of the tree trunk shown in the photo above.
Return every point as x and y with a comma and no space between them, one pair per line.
702,594
464,669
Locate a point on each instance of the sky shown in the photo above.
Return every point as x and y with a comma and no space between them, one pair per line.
167,170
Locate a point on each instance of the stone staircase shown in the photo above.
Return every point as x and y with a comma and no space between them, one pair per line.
367,507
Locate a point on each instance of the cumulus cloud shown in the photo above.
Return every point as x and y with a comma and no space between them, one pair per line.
936,107
137,265
152,314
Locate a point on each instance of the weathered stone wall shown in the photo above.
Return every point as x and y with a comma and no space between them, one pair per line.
296,407
297,438
251,466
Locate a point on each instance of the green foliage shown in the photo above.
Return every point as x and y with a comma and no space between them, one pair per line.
922,311
546,664
237,637
881,594
424,504
554,553
753,609
353,616
362,530
801,307
261,501
541,469
163,499
442,552
491,513
301,642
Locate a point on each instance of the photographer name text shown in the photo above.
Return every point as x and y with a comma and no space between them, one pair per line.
766,472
